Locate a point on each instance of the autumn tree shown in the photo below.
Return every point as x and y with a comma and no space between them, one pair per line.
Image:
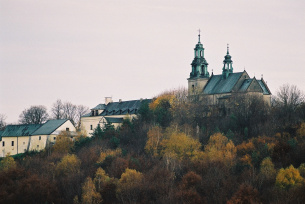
89,193
180,146
105,185
129,186
161,108
7,163
220,148
63,142
289,177
154,138
189,188
267,170
69,164
34,115
245,194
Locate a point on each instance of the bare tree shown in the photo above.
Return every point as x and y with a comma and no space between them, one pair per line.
70,112
57,111
2,121
34,115
286,104
289,96
81,110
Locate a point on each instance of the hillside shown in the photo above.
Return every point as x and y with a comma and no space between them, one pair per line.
176,151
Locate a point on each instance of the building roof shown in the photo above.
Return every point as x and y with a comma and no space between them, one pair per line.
99,107
218,85
120,108
20,130
266,91
245,85
49,127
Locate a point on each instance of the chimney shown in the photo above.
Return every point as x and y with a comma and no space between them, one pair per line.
120,100
108,100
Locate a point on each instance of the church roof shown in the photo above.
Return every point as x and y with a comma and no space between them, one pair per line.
266,91
20,130
245,85
49,127
217,84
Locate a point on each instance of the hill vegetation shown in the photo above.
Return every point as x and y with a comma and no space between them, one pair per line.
176,151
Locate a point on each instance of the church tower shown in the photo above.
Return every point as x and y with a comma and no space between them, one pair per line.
199,75
227,65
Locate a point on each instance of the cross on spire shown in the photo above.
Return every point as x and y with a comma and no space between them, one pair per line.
199,36
227,48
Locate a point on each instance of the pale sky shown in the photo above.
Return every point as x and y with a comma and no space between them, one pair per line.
83,50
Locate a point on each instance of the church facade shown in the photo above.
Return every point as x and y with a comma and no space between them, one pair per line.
219,89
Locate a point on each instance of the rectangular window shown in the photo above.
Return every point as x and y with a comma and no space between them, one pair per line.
37,146
54,138
3,144
12,143
24,143
67,129
39,137
91,127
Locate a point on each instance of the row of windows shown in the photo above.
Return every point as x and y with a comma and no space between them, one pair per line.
3,142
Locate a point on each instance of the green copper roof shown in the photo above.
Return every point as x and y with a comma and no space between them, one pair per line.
245,85
99,107
265,88
49,127
217,84
20,130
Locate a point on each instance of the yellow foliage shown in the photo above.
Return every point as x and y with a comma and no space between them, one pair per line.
302,169
220,148
7,163
180,146
301,131
288,177
101,178
267,169
68,164
63,142
109,152
130,179
89,194
165,97
154,138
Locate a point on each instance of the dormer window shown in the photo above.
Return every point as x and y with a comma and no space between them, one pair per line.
67,129
92,113
96,112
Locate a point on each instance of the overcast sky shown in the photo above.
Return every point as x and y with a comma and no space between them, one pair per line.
83,50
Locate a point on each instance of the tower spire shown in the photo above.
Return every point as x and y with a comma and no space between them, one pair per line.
227,65
199,36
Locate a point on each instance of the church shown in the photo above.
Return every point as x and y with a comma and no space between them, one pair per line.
219,89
